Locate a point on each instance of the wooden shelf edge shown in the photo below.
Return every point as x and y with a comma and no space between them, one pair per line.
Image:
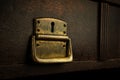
25,70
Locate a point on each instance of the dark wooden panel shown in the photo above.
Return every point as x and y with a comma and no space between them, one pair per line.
110,31
16,23
114,1
24,70
114,32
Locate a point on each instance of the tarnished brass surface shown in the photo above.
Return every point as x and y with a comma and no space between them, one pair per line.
50,43
54,49
50,26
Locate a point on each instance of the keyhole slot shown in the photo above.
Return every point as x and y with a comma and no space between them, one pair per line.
52,26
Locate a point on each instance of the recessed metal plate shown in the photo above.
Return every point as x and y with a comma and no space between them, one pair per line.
50,49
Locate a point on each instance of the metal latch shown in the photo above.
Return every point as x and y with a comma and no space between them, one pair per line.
50,43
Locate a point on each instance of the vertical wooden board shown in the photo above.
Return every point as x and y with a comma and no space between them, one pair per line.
110,31
114,32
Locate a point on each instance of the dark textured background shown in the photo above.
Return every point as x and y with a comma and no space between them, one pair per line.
16,26
93,27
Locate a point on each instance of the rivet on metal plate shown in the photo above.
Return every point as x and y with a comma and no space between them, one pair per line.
50,43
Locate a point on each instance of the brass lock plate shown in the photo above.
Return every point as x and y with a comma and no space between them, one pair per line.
50,43
50,26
